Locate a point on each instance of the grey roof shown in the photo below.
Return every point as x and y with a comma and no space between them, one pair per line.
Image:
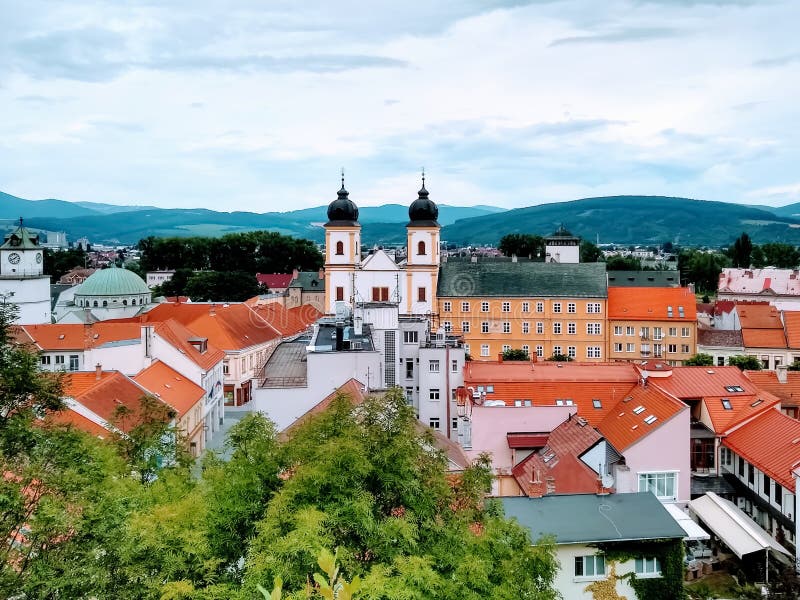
526,279
722,338
711,483
665,278
21,239
584,518
309,281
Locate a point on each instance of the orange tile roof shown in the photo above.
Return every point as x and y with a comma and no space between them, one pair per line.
759,316
77,383
227,326
651,304
623,427
742,409
789,392
791,320
288,322
763,338
77,336
557,468
179,336
771,442
78,421
170,387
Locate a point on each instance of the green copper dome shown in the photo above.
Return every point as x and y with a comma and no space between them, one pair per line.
113,282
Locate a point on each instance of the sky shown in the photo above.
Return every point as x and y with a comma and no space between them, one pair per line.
257,105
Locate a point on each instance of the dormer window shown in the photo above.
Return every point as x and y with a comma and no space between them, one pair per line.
199,344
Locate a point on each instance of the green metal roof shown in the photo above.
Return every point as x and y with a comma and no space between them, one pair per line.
21,239
309,281
113,282
526,279
585,518
644,278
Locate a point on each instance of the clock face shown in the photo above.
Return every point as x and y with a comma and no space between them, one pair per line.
39,257
14,258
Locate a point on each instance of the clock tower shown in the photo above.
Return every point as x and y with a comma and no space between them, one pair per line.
22,279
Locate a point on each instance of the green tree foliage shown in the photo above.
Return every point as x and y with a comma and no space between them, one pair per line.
623,263
782,256
560,358
701,268
745,362
758,259
177,285
699,360
522,245
795,366
58,262
515,354
222,286
590,252
741,251
252,252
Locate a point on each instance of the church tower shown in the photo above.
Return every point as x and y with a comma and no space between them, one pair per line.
342,250
22,279
422,253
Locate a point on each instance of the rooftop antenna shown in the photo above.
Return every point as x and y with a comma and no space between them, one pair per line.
342,177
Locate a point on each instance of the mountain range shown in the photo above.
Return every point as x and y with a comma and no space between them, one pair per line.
618,219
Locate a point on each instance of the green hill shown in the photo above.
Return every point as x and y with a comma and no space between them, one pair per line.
633,219
12,207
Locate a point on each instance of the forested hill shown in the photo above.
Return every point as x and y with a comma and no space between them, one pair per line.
633,219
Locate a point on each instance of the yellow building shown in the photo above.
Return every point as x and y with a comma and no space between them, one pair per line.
542,308
652,322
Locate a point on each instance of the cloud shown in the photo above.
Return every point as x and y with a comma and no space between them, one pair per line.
778,61
638,34
315,63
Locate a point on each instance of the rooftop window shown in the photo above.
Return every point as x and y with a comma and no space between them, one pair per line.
597,403
726,404
638,410
650,419
734,388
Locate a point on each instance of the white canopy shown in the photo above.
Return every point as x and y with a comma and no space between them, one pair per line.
692,529
733,526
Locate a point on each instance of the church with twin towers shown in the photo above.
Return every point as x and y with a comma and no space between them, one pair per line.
411,283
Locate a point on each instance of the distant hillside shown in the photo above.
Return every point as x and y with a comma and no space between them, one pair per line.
392,213
790,210
108,209
633,219
12,207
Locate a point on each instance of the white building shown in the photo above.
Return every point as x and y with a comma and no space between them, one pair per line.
562,247
156,278
22,279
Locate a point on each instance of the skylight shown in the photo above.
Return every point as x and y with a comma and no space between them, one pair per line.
734,388
638,410
650,419
490,389
597,403
756,402
726,404
627,398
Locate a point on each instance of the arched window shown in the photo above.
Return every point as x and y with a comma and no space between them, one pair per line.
421,248
133,302
125,302
340,248
105,303
95,303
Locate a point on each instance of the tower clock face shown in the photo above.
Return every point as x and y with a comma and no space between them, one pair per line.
39,257
14,258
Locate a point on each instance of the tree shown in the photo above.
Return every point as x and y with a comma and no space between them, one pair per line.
758,259
667,247
560,358
699,360
590,252
623,263
745,362
522,245
795,366
701,268
741,251
222,286
58,262
782,256
176,286
515,354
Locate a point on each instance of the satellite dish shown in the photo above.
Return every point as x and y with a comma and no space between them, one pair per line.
607,480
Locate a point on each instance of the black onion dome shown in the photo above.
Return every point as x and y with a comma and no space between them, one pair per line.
423,212
342,211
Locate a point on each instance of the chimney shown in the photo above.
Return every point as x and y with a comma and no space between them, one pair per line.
321,274
213,310
295,274
513,258
782,372
475,259
500,357
98,371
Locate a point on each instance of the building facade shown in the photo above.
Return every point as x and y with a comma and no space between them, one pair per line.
22,279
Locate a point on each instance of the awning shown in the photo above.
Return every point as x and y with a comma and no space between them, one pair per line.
733,526
692,529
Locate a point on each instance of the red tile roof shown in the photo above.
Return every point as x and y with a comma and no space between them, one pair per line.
557,468
287,322
697,382
759,316
789,392
771,442
170,387
625,424
651,304
178,336
763,338
274,281
78,337
791,321
76,420
77,383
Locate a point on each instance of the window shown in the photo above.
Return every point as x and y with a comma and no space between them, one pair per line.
630,330
556,307
526,307
765,481
45,360
571,351
506,306
571,328
466,349
381,294
539,351
685,348
593,328
684,332
593,352
447,306
465,307
540,307
226,368
673,348
617,329
454,423
340,294
673,331
658,333
506,347
539,327
734,388
506,327
433,366
593,307
465,326
597,403
648,566
484,349
630,347
433,423
740,466
644,333
448,326
658,350
73,362
485,327
778,493
663,485
410,337
556,349
421,248
526,349
484,307
556,327
526,327
410,368
590,566
454,366
421,294
339,248
726,404
751,474
617,347
571,307
59,359
434,394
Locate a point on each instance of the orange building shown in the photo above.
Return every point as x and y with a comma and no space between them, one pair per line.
541,308
650,322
